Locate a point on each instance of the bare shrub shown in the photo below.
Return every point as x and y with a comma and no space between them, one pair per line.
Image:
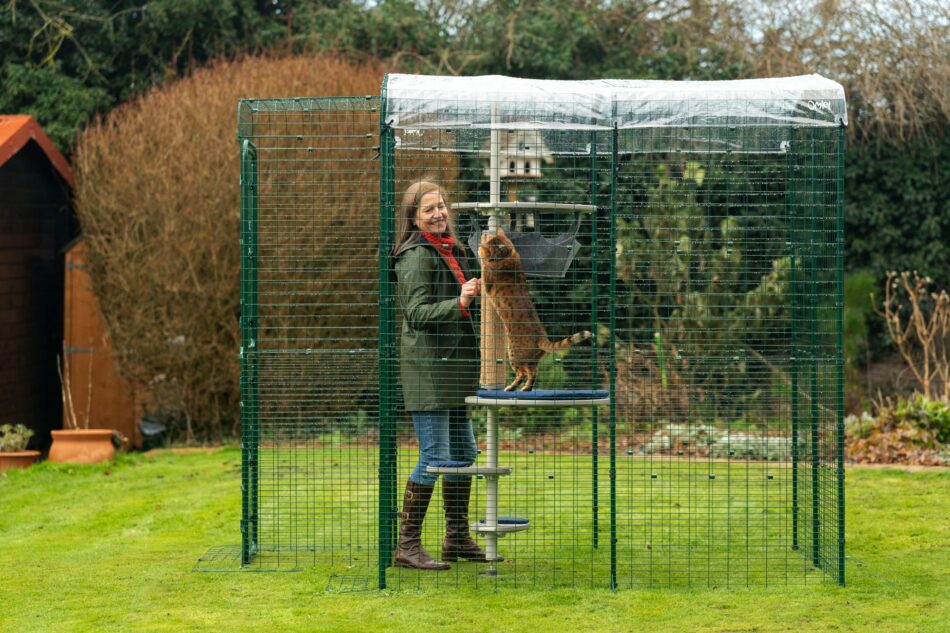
158,197
892,56
918,321
914,429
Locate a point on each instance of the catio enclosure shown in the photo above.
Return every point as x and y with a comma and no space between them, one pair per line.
695,228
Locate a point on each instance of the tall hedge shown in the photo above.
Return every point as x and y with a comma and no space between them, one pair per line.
158,197
898,208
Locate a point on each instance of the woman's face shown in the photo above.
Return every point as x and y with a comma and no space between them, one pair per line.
432,216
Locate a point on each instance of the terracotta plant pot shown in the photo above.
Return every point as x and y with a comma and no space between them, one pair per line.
18,459
83,446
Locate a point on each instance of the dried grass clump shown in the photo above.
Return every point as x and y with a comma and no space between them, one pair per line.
158,197
644,395
911,430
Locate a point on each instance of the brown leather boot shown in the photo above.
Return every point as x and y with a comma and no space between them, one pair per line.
409,551
458,542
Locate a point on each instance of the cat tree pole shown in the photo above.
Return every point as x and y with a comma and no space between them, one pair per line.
493,348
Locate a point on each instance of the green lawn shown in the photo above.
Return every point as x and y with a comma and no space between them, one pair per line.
681,521
111,548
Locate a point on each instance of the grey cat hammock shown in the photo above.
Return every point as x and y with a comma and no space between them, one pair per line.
541,256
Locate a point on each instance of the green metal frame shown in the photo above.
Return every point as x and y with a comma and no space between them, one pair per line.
815,430
612,359
594,307
388,485
794,254
839,336
250,439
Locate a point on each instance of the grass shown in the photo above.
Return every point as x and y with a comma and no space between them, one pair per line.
681,521
111,548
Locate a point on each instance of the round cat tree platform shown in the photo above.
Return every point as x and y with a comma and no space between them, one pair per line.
540,398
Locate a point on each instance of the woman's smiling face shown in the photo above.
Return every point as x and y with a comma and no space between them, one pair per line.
432,216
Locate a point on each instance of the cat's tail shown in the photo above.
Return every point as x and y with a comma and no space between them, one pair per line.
553,346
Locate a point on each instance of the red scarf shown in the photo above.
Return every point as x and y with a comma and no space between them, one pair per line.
444,244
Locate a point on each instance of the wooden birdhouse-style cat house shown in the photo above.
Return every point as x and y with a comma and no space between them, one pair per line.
520,155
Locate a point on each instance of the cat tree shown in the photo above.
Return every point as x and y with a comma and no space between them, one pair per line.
512,156
709,258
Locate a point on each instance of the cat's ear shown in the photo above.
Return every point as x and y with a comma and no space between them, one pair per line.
501,231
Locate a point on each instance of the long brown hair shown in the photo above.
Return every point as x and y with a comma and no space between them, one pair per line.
406,230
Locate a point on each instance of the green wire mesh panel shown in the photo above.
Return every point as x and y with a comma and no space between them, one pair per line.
703,235
558,478
728,357
310,185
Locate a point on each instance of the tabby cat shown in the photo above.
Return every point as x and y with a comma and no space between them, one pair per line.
507,287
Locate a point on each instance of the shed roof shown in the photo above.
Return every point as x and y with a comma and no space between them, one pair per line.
16,130
418,101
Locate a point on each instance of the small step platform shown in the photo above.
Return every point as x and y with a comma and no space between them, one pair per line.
506,525
462,468
540,398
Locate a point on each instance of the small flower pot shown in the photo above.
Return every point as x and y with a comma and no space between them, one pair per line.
18,459
83,446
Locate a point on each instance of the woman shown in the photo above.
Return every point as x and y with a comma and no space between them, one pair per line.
438,367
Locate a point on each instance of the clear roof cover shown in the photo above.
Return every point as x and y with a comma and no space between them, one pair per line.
421,101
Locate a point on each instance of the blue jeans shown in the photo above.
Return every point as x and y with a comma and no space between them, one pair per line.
443,436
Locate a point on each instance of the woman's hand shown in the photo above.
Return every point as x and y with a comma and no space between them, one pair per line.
470,289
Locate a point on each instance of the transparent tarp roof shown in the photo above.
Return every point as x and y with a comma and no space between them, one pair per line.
421,101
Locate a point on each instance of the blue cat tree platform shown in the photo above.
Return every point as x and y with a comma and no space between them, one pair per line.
492,527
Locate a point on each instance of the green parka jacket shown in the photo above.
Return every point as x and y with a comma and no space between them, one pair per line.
439,356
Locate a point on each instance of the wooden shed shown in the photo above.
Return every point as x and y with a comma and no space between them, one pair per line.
99,391
46,301
36,222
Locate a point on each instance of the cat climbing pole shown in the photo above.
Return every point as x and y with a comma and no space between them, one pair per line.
492,376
